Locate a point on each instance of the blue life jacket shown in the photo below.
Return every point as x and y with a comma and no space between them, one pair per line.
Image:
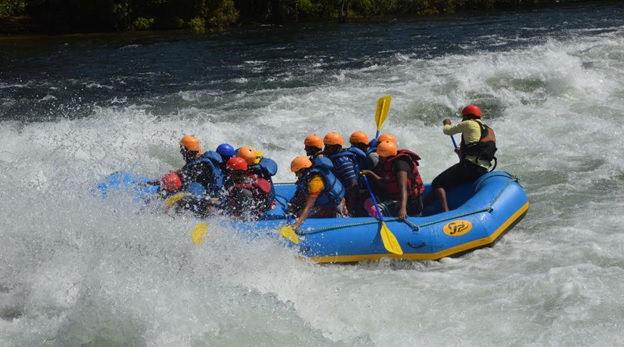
214,161
266,168
360,159
334,191
357,157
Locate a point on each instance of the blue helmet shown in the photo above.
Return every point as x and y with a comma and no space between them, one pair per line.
225,149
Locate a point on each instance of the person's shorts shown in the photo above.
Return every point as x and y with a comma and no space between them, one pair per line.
460,173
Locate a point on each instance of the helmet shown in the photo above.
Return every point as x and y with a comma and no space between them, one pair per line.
248,154
191,143
313,141
359,137
236,163
472,110
386,149
333,138
301,162
171,182
226,149
386,137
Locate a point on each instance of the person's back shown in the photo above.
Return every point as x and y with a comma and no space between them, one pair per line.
344,167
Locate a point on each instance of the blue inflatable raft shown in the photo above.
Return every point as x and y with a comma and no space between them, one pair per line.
481,213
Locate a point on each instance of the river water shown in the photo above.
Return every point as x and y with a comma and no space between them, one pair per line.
80,271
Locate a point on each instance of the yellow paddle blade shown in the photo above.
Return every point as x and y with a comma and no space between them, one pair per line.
170,201
199,233
381,113
288,232
389,240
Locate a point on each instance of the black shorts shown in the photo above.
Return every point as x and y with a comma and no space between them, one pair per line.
460,173
391,207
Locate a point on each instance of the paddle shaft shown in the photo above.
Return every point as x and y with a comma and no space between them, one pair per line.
370,191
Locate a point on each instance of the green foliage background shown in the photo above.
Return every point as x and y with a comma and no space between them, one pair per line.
201,15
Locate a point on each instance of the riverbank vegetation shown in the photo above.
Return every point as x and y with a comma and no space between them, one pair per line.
70,16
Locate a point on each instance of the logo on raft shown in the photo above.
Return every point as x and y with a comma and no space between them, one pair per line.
457,228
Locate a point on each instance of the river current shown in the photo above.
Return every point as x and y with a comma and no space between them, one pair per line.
76,270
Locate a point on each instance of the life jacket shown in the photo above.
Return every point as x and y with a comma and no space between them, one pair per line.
260,189
265,168
359,158
485,148
415,186
356,155
215,183
334,191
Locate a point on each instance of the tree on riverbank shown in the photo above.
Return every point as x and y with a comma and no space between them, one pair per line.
62,16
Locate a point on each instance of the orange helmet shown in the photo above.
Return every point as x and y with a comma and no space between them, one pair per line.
313,141
333,138
386,137
472,110
191,143
236,163
359,137
171,182
300,162
248,154
386,149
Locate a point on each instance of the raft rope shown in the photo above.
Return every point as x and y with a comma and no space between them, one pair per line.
416,227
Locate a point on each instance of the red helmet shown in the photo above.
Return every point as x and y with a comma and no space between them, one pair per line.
236,163
171,182
473,110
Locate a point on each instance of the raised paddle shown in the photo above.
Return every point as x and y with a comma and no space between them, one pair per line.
381,113
387,237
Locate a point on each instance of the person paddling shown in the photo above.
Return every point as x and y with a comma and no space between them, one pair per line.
399,183
319,193
476,152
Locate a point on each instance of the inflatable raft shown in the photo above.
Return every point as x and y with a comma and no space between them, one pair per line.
481,213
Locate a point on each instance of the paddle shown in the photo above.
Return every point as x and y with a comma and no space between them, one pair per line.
381,113
287,230
455,145
199,233
387,237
